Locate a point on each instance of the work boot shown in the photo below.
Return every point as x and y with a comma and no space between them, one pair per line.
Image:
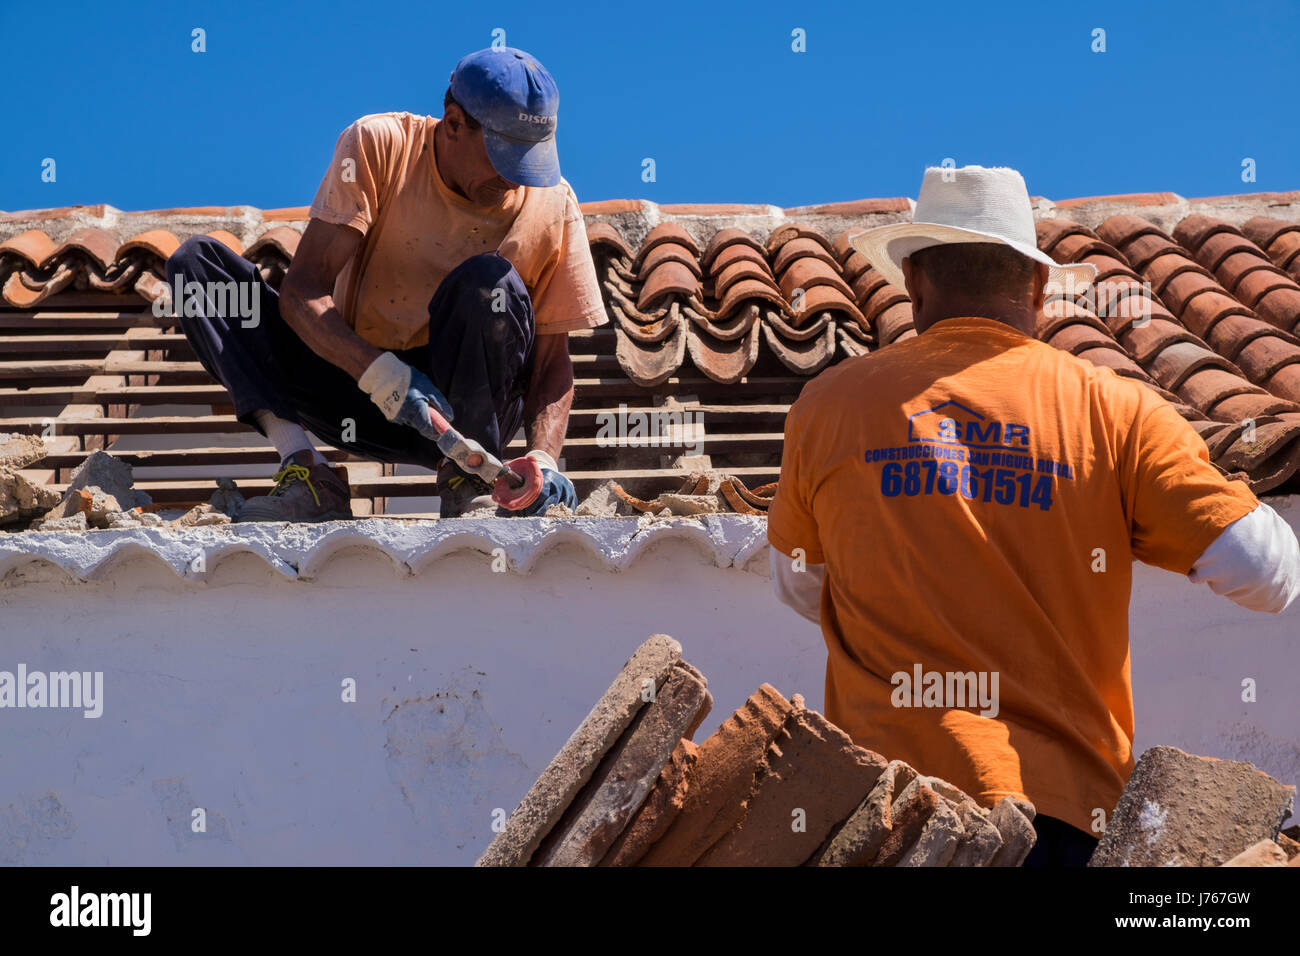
461,493
303,492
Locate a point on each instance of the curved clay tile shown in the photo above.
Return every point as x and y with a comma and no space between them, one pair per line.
1186,286
1263,230
1206,387
1120,230
868,283
734,328
33,245
1237,265
807,272
1175,363
802,247
740,269
854,265
670,277
744,290
851,340
1263,356
650,364
1057,313
1283,246
759,498
282,239
1108,266
1080,337
828,298
160,242
1118,362
1205,311
603,235
784,234
728,239
119,278
1234,332
99,244
1192,231
1223,244
893,324
1271,459
738,252
1250,405
884,296
1162,271
1285,382
1149,248
787,332
644,329
1281,306
1144,342
724,361
666,252
1074,247
1051,232
667,232
1254,285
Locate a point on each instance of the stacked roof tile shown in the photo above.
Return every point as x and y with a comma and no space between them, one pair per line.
719,312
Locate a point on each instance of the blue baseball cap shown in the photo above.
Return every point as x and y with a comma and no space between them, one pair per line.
516,101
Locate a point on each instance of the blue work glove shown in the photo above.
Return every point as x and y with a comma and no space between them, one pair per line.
403,393
544,485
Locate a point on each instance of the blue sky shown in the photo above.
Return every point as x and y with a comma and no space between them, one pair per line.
712,92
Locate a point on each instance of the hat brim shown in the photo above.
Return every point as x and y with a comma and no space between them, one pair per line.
523,162
887,246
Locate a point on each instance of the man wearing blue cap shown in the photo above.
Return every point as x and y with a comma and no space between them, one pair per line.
444,265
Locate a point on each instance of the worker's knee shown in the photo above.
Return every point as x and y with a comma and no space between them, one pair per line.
191,257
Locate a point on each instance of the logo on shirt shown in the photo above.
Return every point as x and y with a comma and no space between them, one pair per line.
952,423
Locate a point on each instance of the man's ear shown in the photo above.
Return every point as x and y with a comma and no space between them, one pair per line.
911,283
1042,273
454,118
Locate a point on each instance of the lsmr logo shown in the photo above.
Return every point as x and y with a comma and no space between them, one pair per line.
952,423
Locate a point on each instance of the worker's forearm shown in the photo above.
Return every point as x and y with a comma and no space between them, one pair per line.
546,408
321,326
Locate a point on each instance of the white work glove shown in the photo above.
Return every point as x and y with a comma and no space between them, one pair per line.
403,393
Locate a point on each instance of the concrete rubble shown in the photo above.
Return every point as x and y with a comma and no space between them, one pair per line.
21,499
1182,810
776,785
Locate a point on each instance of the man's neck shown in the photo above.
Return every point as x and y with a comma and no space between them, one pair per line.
1024,321
440,148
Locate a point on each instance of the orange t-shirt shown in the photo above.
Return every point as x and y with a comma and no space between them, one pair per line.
426,230
978,497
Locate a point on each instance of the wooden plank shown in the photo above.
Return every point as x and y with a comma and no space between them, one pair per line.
576,450
89,343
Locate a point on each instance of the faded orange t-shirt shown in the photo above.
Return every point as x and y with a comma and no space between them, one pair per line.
385,162
978,497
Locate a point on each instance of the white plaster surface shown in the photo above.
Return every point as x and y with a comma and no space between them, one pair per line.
223,685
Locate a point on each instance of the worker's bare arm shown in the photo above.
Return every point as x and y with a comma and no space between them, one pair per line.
550,395
307,297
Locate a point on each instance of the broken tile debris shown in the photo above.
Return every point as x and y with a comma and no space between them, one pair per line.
1182,810
778,785
775,785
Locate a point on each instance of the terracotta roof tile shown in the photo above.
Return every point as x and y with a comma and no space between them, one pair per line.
669,277
668,251
1220,307
734,241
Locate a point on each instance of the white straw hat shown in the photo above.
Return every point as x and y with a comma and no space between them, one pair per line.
970,204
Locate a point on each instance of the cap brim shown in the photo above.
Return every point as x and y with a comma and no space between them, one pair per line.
885,247
523,162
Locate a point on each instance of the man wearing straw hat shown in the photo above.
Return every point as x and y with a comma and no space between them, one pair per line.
960,512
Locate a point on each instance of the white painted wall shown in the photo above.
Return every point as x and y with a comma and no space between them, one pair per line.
226,694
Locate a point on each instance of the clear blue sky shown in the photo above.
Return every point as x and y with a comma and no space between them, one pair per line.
712,91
